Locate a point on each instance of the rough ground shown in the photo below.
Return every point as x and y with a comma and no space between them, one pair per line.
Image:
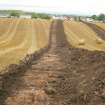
62,76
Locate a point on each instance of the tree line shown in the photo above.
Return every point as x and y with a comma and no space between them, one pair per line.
18,13
100,17
33,15
40,15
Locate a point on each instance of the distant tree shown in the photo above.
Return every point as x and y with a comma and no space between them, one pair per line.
14,14
34,15
101,17
94,17
40,15
44,16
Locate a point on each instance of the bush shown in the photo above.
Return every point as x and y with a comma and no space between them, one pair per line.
40,15
94,17
101,17
34,15
14,14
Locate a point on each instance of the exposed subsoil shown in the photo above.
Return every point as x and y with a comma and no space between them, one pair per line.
62,76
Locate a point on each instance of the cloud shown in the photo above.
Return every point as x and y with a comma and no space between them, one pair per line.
57,6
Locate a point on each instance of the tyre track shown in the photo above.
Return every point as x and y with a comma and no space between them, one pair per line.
34,46
74,38
12,53
41,37
100,32
11,32
87,34
46,25
5,24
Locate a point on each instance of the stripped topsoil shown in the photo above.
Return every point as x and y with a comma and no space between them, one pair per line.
63,75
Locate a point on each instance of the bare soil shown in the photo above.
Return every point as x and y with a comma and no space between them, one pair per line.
62,76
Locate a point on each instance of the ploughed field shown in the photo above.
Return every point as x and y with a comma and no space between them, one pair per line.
19,37
69,68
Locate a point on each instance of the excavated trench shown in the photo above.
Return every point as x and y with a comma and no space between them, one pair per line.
63,75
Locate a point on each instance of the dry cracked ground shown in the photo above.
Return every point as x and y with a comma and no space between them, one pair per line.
62,76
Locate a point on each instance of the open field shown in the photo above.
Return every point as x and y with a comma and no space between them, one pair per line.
82,36
102,25
4,24
20,37
69,71
63,75
97,29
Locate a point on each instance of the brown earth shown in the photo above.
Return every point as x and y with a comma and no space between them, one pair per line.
62,76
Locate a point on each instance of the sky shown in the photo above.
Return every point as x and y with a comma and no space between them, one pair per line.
77,7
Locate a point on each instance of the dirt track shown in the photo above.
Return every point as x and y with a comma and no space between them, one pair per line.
62,76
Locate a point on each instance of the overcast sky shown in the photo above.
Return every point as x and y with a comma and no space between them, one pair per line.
83,7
